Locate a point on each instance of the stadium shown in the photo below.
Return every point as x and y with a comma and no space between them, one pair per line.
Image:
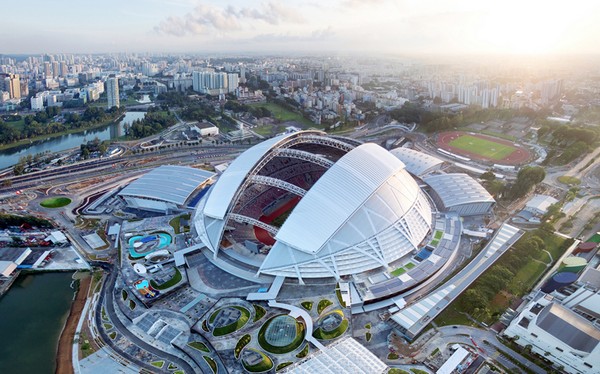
309,205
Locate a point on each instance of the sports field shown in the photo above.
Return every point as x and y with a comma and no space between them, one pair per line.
483,147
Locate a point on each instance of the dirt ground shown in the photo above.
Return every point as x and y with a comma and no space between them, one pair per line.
64,359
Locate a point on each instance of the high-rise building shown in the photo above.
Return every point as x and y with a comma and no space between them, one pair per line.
12,84
55,69
208,82
112,91
47,70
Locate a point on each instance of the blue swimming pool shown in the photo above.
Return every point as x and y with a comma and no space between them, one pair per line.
149,244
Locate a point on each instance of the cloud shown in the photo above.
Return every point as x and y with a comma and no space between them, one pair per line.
209,18
357,3
314,36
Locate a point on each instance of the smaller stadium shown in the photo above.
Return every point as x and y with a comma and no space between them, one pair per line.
483,148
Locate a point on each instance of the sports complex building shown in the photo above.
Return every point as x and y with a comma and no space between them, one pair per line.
310,206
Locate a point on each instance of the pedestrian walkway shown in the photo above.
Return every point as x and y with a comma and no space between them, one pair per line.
296,312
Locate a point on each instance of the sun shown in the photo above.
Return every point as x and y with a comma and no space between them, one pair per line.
529,28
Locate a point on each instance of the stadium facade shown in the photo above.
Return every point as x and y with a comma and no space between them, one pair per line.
311,205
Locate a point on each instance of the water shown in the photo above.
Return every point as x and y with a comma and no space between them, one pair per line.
32,315
11,156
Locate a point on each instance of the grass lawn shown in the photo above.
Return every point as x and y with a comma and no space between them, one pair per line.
224,330
328,335
158,364
570,181
199,346
482,147
283,365
264,365
282,114
177,277
244,340
304,352
56,202
526,277
307,305
265,130
410,265
176,222
438,234
259,312
398,272
211,363
323,303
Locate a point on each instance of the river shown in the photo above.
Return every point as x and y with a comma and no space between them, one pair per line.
32,315
11,156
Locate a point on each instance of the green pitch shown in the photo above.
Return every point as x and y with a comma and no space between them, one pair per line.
482,147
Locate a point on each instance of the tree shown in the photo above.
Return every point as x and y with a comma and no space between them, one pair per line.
527,177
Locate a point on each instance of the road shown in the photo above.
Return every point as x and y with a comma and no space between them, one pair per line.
490,346
106,299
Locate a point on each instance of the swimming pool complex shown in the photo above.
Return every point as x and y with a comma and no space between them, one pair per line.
140,246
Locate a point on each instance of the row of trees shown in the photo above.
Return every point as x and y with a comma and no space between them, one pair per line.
527,178
496,279
46,122
437,121
566,142
11,220
152,123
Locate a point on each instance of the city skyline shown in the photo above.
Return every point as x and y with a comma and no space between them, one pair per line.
372,26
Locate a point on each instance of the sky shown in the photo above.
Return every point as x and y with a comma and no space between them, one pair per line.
402,27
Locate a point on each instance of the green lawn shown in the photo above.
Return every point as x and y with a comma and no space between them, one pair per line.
264,365
482,147
259,312
177,277
307,305
282,114
410,265
211,363
56,202
438,234
224,330
244,340
570,181
398,272
328,335
199,346
323,303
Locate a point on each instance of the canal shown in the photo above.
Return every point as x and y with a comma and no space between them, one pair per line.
9,157
32,315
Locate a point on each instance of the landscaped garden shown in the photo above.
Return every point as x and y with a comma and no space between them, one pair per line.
225,323
256,361
244,340
323,303
332,325
177,277
56,202
281,334
199,346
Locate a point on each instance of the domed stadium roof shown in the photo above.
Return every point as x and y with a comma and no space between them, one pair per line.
356,207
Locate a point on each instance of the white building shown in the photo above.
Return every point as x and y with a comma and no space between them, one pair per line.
539,204
37,102
357,208
165,189
112,92
209,82
459,193
417,163
564,329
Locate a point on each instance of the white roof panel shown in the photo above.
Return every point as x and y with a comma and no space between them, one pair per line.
337,196
458,189
169,183
417,163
